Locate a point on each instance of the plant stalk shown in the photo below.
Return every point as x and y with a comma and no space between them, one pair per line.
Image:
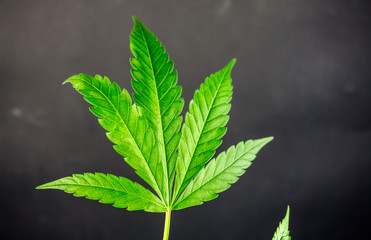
167,224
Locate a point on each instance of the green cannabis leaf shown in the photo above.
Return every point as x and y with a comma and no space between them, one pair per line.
174,160
282,232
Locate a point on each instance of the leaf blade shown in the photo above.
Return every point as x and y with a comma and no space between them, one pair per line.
109,189
282,232
203,127
154,82
131,133
220,173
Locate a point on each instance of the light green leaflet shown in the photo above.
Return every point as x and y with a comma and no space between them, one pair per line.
220,173
282,232
119,191
174,160
154,83
203,126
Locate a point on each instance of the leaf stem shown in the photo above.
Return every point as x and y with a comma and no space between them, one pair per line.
167,224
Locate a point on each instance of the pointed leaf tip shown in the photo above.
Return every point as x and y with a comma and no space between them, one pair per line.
229,66
43,186
264,141
282,232
137,21
69,80
66,81
232,62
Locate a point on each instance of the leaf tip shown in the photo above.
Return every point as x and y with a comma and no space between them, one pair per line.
48,185
66,81
230,65
40,187
136,20
260,143
232,62
70,79
265,140
288,212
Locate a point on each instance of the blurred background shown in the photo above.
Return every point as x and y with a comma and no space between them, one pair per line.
302,75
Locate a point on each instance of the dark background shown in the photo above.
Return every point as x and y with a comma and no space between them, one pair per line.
302,75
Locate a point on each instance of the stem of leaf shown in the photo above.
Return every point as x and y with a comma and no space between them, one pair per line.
167,225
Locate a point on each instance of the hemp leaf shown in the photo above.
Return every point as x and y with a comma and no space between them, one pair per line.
282,232
174,160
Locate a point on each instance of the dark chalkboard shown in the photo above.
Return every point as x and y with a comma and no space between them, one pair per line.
302,75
